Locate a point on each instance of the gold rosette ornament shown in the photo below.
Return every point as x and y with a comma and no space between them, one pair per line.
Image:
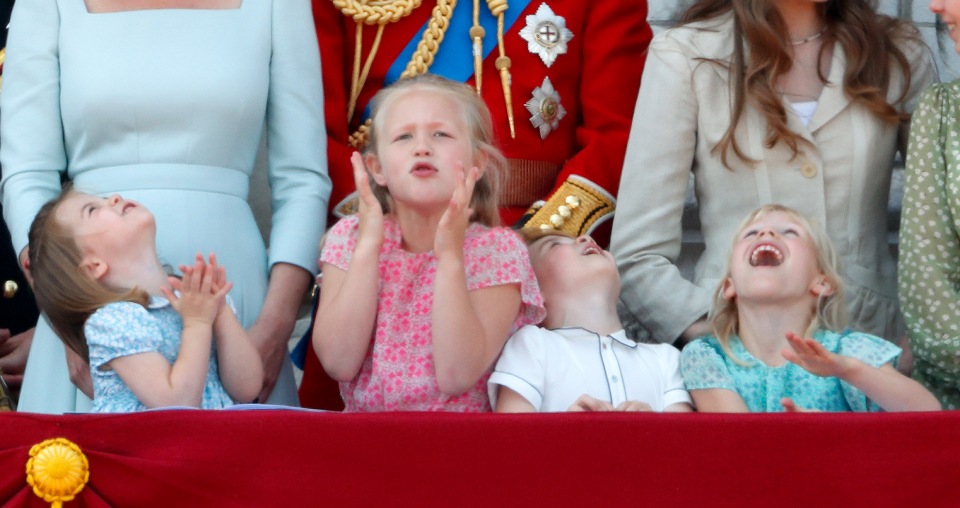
57,470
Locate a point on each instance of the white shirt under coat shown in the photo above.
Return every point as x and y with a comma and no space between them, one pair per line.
552,368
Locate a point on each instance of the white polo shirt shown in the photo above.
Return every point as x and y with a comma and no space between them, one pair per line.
552,368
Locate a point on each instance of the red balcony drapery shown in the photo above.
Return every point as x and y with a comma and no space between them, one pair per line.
305,458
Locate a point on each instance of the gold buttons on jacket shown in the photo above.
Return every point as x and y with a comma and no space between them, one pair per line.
10,289
808,169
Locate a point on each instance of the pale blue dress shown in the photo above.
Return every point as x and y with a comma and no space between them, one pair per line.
125,328
705,365
167,107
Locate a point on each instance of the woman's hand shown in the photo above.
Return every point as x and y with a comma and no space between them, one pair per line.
271,331
905,365
454,222
79,371
13,355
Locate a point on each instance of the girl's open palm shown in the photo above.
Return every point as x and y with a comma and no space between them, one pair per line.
813,357
370,214
453,224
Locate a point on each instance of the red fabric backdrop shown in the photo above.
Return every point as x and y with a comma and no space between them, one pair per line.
300,458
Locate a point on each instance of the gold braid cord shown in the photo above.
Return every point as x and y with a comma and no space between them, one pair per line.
422,56
426,49
377,12
3,56
432,37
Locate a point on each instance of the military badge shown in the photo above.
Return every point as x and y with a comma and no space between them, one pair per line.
546,34
546,108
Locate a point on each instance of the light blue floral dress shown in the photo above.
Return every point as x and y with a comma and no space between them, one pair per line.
126,328
705,365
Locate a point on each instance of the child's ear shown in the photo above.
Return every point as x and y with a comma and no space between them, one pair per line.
728,290
94,267
373,166
822,287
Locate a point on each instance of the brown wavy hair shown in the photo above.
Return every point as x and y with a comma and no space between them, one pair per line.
480,127
759,28
63,291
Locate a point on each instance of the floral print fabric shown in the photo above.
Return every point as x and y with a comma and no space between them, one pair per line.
398,372
705,365
929,265
126,328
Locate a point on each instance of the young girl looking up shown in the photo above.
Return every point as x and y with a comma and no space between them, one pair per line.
151,340
774,348
420,288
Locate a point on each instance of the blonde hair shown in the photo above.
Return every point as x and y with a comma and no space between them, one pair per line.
63,291
760,58
829,313
479,125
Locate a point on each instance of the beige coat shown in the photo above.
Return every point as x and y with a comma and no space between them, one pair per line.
682,111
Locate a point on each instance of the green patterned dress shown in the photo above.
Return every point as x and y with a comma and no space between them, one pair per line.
929,264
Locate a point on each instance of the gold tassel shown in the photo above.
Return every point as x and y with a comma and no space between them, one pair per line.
498,7
476,35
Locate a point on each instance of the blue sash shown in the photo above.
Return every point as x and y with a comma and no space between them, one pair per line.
454,59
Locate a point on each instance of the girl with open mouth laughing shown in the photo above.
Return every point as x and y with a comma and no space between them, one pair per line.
773,346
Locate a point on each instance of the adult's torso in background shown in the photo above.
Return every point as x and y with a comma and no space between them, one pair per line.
17,311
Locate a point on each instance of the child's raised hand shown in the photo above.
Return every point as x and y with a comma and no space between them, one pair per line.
453,224
219,282
811,356
219,273
199,302
588,403
370,213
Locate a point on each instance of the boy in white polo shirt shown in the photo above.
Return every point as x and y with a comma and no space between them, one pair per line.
580,358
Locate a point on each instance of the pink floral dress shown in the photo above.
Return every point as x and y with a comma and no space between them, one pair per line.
398,372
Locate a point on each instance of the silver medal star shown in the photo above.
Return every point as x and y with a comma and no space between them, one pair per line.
546,34
546,108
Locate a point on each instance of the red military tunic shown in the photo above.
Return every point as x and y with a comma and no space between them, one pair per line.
597,81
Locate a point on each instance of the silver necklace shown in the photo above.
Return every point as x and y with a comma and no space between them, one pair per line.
811,38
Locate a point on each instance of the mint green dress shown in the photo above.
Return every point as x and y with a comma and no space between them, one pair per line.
929,264
167,107
705,365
